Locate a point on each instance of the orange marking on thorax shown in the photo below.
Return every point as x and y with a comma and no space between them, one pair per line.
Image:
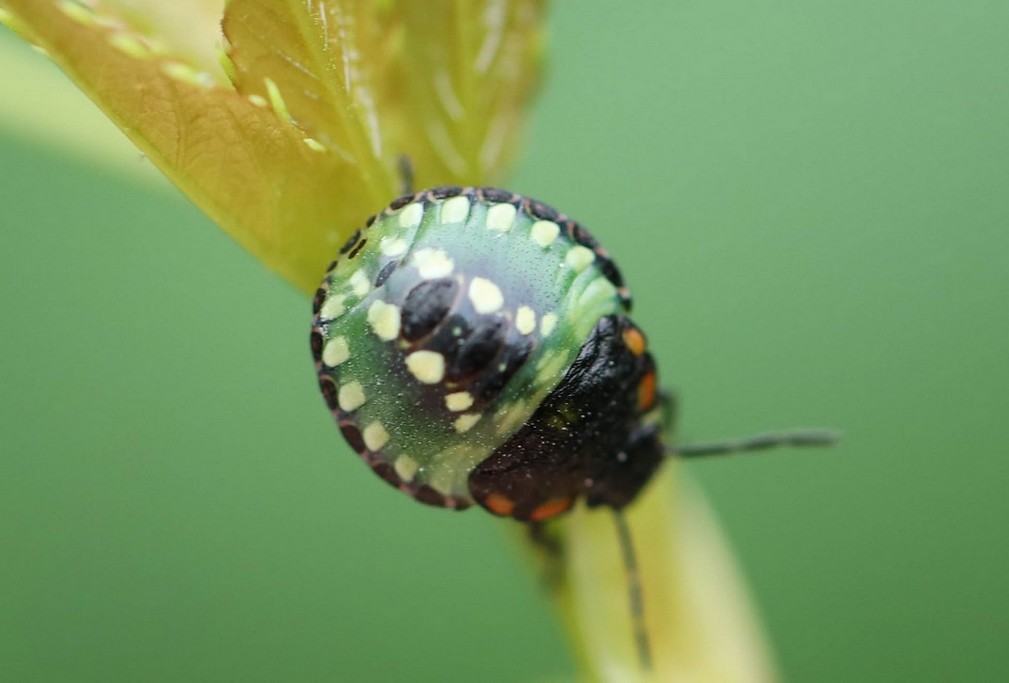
646,392
499,504
551,508
635,340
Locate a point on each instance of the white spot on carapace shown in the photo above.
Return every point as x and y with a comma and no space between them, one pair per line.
501,217
384,320
459,401
432,263
544,233
427,366
375,436
525,320
359,283
411,214
455,210
464,423
392,246
548,323
406,467
335,351
333,307
579,258
351,396
485,295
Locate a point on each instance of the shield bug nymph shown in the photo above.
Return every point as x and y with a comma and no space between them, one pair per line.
475,347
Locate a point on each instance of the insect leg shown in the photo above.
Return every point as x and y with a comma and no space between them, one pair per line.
634,593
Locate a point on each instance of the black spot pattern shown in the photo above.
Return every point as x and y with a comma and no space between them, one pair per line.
315,341
348,245
384,274
426,306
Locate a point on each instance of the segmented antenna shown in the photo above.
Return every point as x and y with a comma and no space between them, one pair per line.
799,438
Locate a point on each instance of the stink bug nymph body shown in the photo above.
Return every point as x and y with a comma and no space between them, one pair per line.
474,347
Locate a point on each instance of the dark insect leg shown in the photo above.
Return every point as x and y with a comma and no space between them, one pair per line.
634,593
799,438
405,169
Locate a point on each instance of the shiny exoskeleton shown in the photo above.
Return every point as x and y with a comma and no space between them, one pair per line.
474,345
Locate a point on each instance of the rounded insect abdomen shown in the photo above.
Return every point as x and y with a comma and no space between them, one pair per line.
446,324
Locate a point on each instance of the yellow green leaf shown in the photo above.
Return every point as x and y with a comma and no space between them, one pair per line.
315,63
285,128
249,169
188,29
468,71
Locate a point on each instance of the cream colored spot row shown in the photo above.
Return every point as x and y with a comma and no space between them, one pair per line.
501,217
359,283
351,396
459,401
427,366
464,423
525,320
544,233
455,210
406,467
411,215
579,258
333,307
384,320
375,436
393,246
485,295
432,263
335,351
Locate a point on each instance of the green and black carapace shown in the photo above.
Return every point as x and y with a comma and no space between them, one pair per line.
474,346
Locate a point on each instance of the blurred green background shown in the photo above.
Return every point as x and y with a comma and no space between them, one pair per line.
811,203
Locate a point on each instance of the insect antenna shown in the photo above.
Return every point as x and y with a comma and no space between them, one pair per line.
798,438
634,593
